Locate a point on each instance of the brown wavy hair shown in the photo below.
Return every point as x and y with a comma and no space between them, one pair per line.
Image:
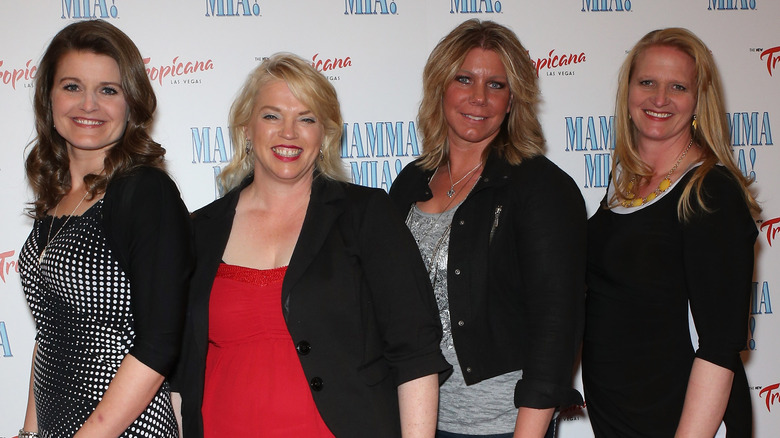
520,135
47,164
711,134
308,86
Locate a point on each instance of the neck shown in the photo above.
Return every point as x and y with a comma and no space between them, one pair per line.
278,196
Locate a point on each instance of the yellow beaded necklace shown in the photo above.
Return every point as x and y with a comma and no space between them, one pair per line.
665,183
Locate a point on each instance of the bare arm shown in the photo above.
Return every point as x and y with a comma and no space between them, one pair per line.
31,416
418,401
127,396
532,423
709,387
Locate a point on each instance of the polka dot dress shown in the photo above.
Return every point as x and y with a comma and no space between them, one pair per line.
81,301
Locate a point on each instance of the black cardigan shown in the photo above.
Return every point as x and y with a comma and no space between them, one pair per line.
356,292
515,275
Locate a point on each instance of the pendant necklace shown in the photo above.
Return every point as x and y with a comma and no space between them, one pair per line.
49,238
451,191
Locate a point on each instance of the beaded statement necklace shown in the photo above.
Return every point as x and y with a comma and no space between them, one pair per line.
632,201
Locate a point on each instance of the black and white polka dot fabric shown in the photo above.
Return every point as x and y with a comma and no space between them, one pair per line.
81,301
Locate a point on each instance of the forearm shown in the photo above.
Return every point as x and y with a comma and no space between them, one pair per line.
532,423
418,401
129,393
709,387
31,415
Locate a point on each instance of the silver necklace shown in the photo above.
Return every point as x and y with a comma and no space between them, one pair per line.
451,191
49,238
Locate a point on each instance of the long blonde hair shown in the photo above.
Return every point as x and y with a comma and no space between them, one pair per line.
520,136
307,85
711,132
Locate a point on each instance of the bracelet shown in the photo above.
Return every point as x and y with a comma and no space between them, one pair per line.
25,434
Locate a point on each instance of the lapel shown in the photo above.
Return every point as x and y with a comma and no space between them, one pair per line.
211,228
324,209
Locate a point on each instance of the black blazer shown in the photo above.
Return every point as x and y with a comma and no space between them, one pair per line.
356,299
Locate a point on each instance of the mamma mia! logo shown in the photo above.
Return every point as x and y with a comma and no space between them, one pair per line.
606,5
89,9
730,5
231,8
474,6
370,7
373,151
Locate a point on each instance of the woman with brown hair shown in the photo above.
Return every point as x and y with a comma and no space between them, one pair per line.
502,231
107,263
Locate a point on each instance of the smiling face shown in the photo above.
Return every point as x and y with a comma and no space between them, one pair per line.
477,100
662,95
286,136
87,101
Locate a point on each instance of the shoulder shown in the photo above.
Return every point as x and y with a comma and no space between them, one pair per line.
721,191
146,179
540,176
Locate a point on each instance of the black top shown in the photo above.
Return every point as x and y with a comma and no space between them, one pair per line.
515,275
643,270
355,298
111,282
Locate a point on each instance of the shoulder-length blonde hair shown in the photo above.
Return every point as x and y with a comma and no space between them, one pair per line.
520,135
47,164
711,132
307,85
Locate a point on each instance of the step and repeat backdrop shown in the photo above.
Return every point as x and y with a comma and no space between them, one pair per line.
198,52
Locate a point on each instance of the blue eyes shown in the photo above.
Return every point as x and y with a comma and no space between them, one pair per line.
73,88
465,80
650,83
307,120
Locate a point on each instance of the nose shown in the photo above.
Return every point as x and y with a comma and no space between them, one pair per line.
478,95
660,97
89,102
288,130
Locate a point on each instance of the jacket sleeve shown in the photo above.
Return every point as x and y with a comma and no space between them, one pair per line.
403,301
551,242
148,227
718,256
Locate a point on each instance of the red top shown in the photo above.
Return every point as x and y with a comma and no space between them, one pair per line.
255,386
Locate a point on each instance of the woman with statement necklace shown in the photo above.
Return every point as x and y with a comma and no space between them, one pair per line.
502,231
106,281
674,231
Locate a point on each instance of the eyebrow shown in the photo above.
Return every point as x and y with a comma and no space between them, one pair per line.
75,79
277,109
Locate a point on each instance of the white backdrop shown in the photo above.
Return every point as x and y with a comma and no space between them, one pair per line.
198,53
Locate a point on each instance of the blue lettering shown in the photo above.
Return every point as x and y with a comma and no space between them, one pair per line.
597,167
201,146
364,7
474,6
764,302
745,131
574,134
4,344
605,5
365,175
730,5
